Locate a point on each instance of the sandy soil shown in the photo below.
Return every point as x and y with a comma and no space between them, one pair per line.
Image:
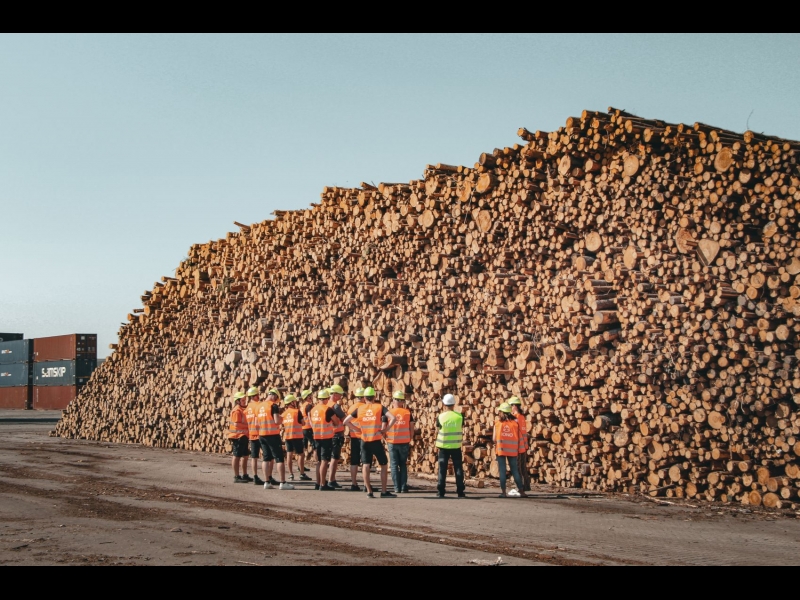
80,502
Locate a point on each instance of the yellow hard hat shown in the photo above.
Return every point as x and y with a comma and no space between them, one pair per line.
337,389
289,399
399,396
514,401
275,392
324,394
369,392
253,391
360,392
305,394
505,407
239,395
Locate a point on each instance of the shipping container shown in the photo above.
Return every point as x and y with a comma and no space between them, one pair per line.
10,337
18,398
16,352
16,375
54,398
63,372
65,347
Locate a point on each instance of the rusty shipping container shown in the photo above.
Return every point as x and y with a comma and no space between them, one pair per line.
54,398
10,337
65,347
16,352
18,398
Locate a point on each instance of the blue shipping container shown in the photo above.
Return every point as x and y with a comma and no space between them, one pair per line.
16,352
15,375
63,372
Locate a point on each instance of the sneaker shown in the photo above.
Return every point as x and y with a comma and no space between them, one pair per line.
388,495
370,495
514,494
440,495
404,490
291,477
335,485
316,486
237,479
305,477
355,488
286,486
306,469
462,495
269,486
247,478
258,481
272,481
326,488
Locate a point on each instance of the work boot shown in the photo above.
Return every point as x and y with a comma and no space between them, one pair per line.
355,488
326,488
462,495
316,486
258,481
247,478
238,479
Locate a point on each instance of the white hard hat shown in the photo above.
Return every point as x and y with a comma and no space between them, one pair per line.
449,400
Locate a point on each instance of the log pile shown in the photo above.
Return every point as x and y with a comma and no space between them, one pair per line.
635,282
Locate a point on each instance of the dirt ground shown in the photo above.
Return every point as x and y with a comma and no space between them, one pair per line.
88,503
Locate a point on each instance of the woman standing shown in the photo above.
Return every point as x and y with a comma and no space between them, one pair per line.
506,439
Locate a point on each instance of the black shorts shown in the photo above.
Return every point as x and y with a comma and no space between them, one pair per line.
373,449
338,444
324,449
255,449
240,447
272,447
308,438
294,446
355,452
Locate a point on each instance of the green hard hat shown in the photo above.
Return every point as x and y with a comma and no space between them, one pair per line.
505,407
369,392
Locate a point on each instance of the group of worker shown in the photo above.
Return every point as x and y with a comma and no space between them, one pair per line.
281,430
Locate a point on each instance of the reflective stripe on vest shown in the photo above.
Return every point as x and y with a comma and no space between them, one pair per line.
238,428
370,419
322,429
523,434
506,437
400,432
306,411
450,435
354,434
265,420
251,412
291,425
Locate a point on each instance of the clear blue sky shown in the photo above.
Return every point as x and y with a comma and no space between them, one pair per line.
118,152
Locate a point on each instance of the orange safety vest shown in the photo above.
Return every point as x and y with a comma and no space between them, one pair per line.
354,434
322,429
370,420
265,420
238,428
251,412
523,434
338,427
291,424
306,420
506,437
400,432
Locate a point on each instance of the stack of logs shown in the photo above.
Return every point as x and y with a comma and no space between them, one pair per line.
635,282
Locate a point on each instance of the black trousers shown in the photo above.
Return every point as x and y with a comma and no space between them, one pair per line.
446,456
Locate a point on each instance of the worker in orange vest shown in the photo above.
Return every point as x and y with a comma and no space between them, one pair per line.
337,392
522,462
372,420
398,439
269,434
355,443
506,440
293,437
251,412
238,435
322,417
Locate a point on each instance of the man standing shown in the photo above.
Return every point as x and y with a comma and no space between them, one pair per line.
293,437
321,420
522,462
308,432
269,434
373,421
398,439
355,443
251,413
338,433
450,425
237,434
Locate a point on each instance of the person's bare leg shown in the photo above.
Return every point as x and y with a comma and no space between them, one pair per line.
365,474
254,464
235,465
264,469
334,466
270,467
384,477
354,475
318,470
282,472
301,463
289,460
323,472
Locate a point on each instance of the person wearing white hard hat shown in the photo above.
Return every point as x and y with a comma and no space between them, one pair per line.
448,441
